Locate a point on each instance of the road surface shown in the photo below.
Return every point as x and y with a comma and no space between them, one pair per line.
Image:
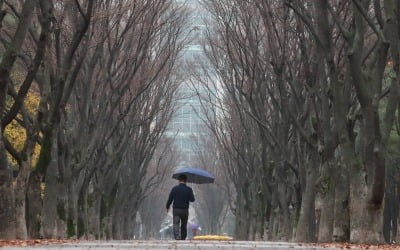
179,245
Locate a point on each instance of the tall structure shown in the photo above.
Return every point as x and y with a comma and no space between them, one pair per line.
187,124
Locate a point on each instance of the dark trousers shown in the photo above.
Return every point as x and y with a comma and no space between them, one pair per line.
180,216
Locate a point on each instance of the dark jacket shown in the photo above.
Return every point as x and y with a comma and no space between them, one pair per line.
180,195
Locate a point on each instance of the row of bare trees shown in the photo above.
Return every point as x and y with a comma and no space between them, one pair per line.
102,74
307,107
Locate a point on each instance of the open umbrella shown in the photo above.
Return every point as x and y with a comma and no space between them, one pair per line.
194,175
193,226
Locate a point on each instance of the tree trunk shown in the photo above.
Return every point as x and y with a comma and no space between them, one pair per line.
117,223
396,226
275,226
306,226
368,183
341,226
285,229
82,213
35,206
50,216
71,212
106,218
254,203
20,200
130,226
270,223
93,223
62,198
107,228
61,207
260,219
325,230
242,217
366,219
390,212
7,201
52,212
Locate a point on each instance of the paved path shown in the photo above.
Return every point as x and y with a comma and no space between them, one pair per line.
179,245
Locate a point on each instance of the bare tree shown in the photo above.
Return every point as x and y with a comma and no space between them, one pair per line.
14,39
367,46
122,115
297,70
212,200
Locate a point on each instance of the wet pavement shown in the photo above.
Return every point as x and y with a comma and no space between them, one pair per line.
181,245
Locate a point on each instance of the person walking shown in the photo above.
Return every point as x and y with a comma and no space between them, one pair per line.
180,195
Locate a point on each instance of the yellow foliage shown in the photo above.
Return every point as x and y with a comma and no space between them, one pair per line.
16,133
32,102
35,156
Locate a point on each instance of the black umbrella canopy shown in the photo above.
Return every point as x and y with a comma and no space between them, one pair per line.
194,175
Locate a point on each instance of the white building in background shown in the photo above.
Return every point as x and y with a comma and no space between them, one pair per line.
187,125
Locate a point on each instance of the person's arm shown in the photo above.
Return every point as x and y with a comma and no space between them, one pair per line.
191,195
170,198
